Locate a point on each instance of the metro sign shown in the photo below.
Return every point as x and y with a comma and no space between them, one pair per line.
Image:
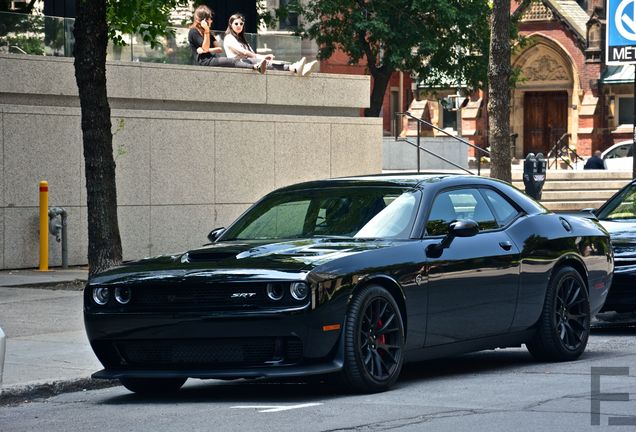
620,32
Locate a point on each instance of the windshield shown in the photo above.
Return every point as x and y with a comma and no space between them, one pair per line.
623,206
361,212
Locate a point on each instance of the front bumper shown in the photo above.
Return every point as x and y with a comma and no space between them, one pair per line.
216,344
622,294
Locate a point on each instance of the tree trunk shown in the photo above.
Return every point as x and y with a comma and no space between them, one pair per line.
499,73
91,38
381,77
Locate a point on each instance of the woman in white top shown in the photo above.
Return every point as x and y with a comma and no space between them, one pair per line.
236,46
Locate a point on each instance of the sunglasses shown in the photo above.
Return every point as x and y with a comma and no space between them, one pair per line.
238,23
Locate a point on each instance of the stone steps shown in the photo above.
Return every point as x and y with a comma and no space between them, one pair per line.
576,189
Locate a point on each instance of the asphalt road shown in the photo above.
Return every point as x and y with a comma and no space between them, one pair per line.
502,390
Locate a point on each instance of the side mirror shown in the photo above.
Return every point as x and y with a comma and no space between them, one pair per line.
460,228
215,234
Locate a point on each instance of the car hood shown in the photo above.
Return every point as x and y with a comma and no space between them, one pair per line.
250,260
623,237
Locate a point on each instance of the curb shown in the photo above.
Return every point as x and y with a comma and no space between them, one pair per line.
68,285
26,393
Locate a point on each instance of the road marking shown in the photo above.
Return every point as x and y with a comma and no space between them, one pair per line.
275,408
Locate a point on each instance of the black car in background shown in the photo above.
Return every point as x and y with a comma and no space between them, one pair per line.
352,277
618,216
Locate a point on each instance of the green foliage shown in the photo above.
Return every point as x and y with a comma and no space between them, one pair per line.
121,149
443,41
149,18
25,45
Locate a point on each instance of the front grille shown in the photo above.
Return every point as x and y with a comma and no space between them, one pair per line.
197,296
624,262
219,353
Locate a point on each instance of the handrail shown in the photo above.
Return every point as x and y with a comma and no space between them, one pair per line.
563,152
421,122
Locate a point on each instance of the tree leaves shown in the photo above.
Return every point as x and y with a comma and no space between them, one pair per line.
149,18
442,41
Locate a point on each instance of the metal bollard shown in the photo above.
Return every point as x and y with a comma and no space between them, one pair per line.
2,350
44,238
58,229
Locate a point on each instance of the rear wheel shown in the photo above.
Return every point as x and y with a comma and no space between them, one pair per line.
153,386
374,341
564,326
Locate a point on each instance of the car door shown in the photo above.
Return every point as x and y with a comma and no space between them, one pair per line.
473,285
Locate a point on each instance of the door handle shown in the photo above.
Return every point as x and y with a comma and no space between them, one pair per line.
505,245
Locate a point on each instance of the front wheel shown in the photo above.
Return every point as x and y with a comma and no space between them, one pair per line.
153,386
564,326
374,341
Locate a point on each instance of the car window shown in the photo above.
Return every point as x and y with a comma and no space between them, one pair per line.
459,204
392,220
283,221
619,152
504,211
342,212
623,206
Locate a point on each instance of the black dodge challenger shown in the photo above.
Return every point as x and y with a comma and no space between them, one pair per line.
352,277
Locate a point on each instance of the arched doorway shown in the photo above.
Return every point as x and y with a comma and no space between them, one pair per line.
545,97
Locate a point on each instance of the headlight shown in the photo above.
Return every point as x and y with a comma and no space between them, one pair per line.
122,295
100,295
299,290
275,291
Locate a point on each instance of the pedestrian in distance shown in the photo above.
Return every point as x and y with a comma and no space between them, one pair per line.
236,46
595,162
206,49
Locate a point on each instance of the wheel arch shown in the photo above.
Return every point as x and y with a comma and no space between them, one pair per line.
393,287
577,264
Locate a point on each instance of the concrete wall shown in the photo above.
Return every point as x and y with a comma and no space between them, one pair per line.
195,148
400,155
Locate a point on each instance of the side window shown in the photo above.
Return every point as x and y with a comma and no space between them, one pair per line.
504,211
459,204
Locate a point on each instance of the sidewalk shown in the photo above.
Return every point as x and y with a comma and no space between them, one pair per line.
46,347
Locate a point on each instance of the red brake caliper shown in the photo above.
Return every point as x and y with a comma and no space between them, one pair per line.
381,339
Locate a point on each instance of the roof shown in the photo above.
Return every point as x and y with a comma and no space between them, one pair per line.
569,12
573,14
408,180
623,74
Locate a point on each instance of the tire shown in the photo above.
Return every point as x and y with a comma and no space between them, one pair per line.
564,326
374,341
153,386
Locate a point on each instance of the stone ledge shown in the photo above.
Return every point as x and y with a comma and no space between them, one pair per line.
24,74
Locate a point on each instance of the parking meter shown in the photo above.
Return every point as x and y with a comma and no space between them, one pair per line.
534,168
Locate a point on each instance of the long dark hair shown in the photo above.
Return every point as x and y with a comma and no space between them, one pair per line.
239,36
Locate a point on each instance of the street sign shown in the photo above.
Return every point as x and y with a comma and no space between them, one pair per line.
620,34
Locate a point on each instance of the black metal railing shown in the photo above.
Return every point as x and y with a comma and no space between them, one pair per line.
561,152
417,144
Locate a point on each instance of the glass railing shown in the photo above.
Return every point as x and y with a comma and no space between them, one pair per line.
36,34
53,36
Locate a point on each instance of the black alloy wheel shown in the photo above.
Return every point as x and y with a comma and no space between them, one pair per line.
374,341
564,326
153,386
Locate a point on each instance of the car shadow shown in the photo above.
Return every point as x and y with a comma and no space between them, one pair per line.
307,390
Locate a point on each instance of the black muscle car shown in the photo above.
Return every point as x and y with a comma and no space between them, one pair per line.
352,277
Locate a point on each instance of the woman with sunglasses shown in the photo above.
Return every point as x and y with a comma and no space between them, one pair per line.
205,48
236,46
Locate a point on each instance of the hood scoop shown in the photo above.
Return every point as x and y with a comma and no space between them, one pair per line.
207,256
